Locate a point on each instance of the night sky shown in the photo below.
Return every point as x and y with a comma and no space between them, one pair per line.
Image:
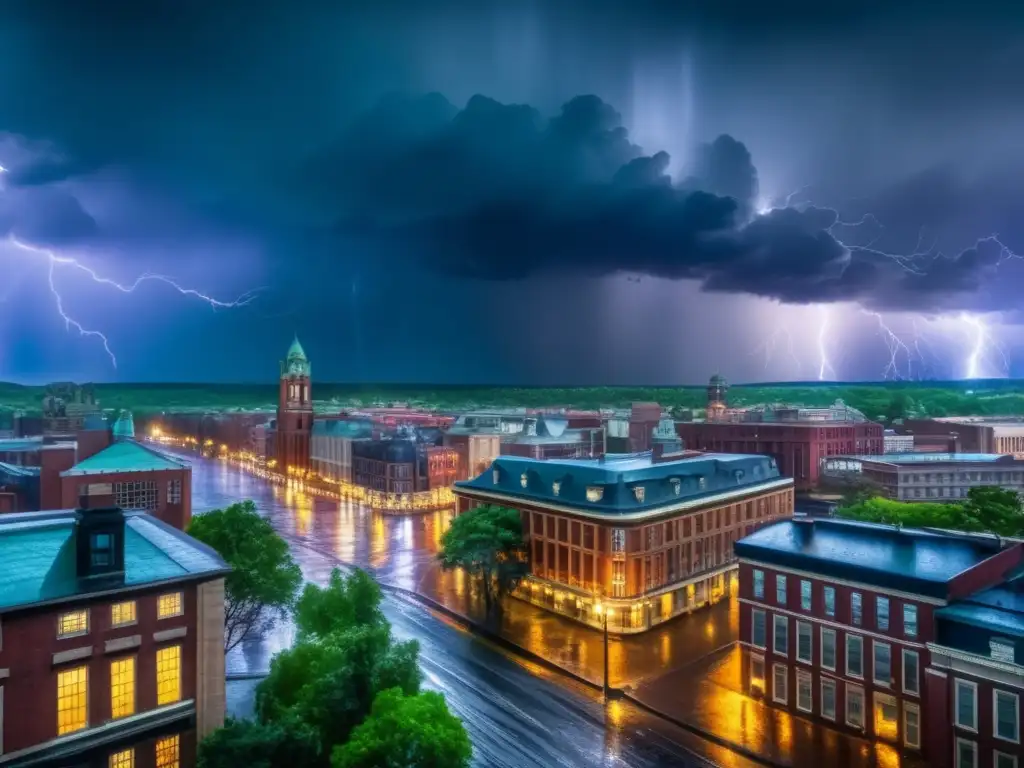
558,192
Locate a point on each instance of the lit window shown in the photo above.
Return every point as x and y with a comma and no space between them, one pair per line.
595,493
122,687
122,613
638,492
757,674
136,494
73,623
168,752
169,605
123,759
168,675
72,700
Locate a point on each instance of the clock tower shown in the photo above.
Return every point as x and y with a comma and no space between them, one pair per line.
294,410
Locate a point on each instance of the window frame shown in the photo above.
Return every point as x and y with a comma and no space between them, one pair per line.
957,682
958,740
835,648
881,600
779,619
828,682
180,595
904,654
134,611
826,591
917,616
781,586
995,715
180,663
785,686
810,641
806,594
856,614
804,676
758,593
907,708
876,645
84,668
134,686
756,658
996,754
77,633
860,640
753,635
859,691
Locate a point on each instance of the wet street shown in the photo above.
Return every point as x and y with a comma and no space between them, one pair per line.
516,714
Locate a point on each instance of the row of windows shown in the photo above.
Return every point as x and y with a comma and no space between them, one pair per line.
966,752
1005,711
76,623
853,710
856,617
881,668
73,689
168,755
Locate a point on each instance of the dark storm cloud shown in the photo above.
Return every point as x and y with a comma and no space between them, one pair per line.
496,193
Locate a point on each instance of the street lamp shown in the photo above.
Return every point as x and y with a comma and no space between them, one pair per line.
604,613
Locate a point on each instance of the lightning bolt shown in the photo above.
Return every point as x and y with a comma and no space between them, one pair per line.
771,343
982,347
896,345
824,366
55,261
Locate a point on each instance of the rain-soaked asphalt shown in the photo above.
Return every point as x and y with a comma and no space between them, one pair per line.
516,714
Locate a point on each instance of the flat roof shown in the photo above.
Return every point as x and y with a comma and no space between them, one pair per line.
626,482
38,553
929,458
21,444
907,559
125,456
999,608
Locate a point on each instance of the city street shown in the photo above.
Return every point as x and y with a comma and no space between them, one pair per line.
516,713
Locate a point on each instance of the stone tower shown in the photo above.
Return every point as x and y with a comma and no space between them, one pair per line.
294,410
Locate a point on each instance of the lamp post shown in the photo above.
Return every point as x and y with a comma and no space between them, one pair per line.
603,613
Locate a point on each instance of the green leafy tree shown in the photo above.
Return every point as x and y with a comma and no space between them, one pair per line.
260,745
487,542
406,732
987,509
264,578
995,509
346,601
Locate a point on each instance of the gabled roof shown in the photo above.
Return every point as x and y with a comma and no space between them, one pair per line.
295,351
125,456
37,550
628,483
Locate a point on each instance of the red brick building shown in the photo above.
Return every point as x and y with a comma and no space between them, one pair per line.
646,537
403,466
838,624
113,632
294,411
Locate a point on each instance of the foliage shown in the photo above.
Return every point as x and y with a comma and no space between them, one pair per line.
487,542
406,732
264,578
260,745
346,601
987,509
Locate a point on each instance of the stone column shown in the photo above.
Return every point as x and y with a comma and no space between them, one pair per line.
210,696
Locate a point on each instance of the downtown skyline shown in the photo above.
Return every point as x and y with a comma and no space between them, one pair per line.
510,196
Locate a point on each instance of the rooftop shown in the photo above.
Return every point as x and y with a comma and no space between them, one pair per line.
625,483
931,458
38,553
12,470
999,609
125,456
21,445
908,559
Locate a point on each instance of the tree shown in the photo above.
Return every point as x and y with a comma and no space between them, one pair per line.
264,578
346,601
995,509
406,732
260,745
487,542
987,509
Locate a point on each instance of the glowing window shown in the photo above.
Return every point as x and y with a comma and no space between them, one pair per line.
73,623
595,493
72,700
122,613
123,759
168,675
169,605
122,687
167,752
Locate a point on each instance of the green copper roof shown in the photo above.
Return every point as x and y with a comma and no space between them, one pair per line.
124,456
296,351
38,553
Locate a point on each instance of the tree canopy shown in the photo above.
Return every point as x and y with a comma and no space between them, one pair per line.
406,732
487,542
260,745
346,601
264,578
987,509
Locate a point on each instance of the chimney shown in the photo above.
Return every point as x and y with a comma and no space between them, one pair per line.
99,547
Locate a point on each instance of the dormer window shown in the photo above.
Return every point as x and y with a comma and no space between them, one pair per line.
101,550
595,493
496,476
702,482
523,480
738,474
556,487
638,492
676,484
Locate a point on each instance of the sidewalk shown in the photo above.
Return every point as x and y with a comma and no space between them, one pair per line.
708,696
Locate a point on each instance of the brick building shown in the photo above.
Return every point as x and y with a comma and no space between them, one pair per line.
475,451
403,466
550,437
967,434
331,448
648,538
838,621
113,640
294,423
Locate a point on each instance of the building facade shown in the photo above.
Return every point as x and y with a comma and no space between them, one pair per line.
647,539
930,476
400,467
113,638
294,411
896,443
836,618
969,434
476,451
331,448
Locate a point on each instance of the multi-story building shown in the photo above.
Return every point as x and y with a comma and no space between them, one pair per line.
475,450
113,640
331,449
969,434
929,476
647,537
836,618
977,666
896,443
548,437
294,410
402,466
